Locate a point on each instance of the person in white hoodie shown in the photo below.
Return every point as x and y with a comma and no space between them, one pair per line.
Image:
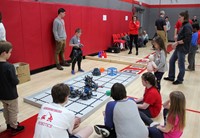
2,30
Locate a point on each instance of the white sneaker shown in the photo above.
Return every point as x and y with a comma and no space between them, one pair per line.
153,124
105,132
101,131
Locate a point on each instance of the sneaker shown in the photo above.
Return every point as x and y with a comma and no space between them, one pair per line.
177,82
105,132
80,70
101,131
169,79
72,72
97,129
136,53
129,52
15,131
59,67
154,124
65,64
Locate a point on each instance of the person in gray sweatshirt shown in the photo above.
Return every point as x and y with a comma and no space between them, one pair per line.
60,38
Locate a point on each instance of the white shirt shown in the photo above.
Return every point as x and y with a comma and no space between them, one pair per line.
2,32
168,26
53,122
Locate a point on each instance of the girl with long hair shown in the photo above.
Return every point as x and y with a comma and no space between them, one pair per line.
175,121
160,59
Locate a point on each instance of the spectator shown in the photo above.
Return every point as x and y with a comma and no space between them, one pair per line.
195,20
193,48
122,119
160,60
8,89
181,47
160,26
151,103
60,38
134,25
175,120
145,37
168,26
2,30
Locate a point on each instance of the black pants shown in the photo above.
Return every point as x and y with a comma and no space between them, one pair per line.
165,112
158,79
135,39
78,60
145,115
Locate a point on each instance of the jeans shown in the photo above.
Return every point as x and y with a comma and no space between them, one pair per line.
155,133
180,56
191,57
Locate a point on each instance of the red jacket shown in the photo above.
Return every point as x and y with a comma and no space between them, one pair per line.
134,27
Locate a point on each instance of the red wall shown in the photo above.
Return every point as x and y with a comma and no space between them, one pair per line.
29,28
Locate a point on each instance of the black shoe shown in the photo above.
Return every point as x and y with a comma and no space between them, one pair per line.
136,53
129,52
177,82
59,67
65,64
169,79
15,131
189,69
9,127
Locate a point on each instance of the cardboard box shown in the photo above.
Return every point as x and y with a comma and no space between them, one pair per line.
22,71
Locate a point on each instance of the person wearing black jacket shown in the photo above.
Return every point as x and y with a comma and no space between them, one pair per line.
181,47
8,89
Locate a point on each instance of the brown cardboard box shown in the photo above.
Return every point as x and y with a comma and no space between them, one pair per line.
22,71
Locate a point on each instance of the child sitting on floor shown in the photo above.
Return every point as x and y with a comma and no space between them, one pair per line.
55,121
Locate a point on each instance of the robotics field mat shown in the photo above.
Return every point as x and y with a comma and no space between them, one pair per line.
81,107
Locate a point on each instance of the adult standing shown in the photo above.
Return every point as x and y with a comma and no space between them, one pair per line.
2,30
168,26
181,46
195,20
134,25
160,26
177,28
60,38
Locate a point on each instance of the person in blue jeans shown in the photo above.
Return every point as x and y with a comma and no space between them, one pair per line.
181,47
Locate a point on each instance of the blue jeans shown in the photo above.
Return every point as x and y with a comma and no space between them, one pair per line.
180,56
155,133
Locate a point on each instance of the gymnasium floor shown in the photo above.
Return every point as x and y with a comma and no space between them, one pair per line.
50,77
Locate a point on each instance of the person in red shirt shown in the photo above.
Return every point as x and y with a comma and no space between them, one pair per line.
150,104
134,25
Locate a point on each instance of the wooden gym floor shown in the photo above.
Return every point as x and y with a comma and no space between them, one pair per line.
53,76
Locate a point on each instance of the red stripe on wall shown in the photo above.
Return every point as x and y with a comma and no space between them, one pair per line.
163,5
